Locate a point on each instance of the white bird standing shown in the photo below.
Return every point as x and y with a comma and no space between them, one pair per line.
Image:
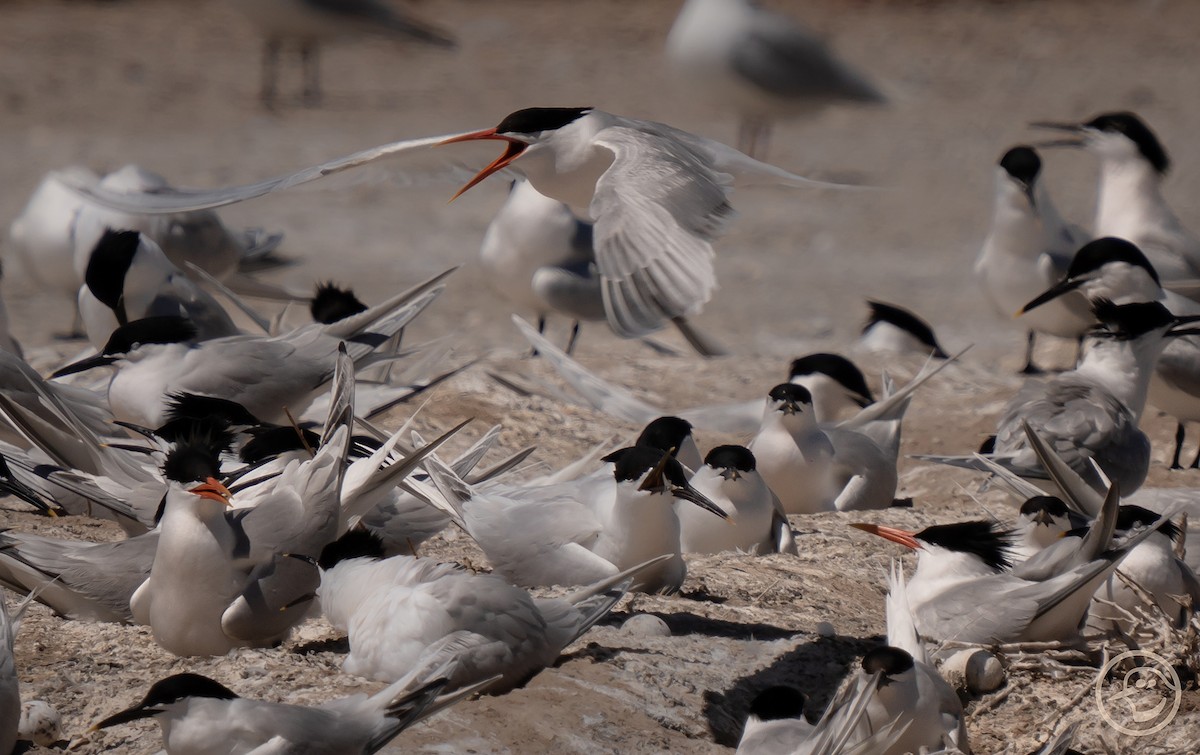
762,65
1129,203
1115,269
309,23
200,716
1091,413
1028,249
658,197
757,523
793,453
397,609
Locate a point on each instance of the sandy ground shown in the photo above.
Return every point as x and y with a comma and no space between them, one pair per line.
172,86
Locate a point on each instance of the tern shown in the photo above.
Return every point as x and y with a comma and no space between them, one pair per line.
729,479
582,531
1116,269
308,23
129,278
1042,521
1028,249
965,588
395,609
761,65
775,723
1091,412
814,467
10,692
837,386
895,330
200,715
1130,204
658,198
155,358
1153,567
911,694
673,435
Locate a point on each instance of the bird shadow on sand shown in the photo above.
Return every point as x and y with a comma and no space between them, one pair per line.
816,668
339,645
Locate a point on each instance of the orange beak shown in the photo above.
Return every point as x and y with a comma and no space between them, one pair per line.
512,152
213,490
904,537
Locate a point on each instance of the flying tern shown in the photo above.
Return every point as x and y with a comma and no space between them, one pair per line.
1130,204
309,23
760,64
658,198
1028,249
729,479
200,715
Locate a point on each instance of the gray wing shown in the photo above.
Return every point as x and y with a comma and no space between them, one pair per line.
1179,365
783,59
658,207
185,200
571,290
1079,421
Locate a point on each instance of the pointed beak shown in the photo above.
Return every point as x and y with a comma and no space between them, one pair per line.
100,360
1071,128
131,714
213,490
690,494
1065,286
1044,517
511,152
654,481
903,537
1028,191
789,407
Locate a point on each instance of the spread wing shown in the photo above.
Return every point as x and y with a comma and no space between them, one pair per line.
657,209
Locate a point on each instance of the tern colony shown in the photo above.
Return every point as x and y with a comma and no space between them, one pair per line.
258,492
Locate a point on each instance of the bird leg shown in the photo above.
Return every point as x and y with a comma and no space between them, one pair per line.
1180,434
310,66
270,71
533,352
575,337
1030,368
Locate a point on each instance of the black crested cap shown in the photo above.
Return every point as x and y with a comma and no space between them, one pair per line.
186,428
778,703
735,457
888,659
107,266
194,406
1138,132
195,459
269,442
356,543
665,434
1096,254
1129,516
988,446
1131,320
1022,163
991,543
1052,505
533,120
182,686
330,303
905,320
835,366
165,329
634,462
791,392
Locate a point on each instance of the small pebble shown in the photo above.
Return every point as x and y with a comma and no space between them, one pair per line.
646,625
825,629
